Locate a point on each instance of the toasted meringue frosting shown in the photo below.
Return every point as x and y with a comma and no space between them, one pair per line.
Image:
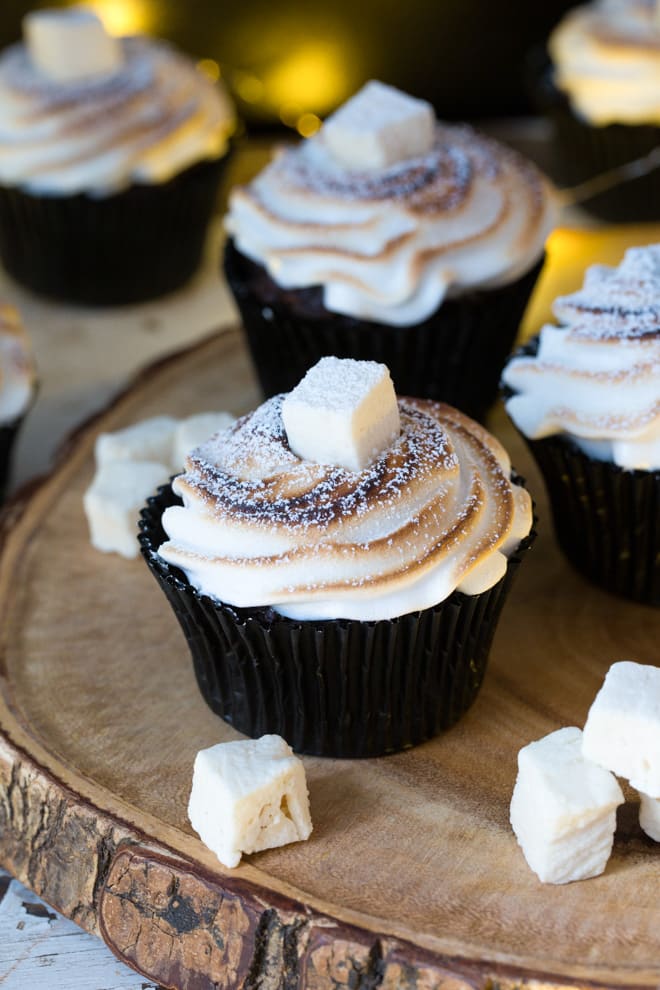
16,367
607,59
389,244
146,122
597,377
434,512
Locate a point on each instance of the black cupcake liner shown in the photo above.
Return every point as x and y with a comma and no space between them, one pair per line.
340,688
8,433
583,151
455,356
606,518
124,248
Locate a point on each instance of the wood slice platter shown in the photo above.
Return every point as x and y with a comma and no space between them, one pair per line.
412,876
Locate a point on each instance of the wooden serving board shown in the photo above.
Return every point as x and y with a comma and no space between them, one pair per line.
412,876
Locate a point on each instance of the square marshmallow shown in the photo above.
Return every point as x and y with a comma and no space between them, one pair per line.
379,126
622,732
343,412
247,796
114,499
563,809
150,440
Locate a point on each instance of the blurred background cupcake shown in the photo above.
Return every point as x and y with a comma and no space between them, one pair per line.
17,385
111,151
586,396
602,91
390,237
345,599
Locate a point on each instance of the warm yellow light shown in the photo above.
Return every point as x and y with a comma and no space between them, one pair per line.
125,16
569,252
313,75
291,113
209,68
308,124
248,87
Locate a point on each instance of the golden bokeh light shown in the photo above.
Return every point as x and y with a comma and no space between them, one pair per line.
308,124
312,75
125,16
209,68
248,87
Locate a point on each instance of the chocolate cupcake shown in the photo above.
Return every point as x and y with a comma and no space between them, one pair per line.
602,92
390,237
17,385
111,151
349,610
586,396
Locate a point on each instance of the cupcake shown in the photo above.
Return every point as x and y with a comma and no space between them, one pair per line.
603,94
349,609
17,385
586,396
391,237
111,151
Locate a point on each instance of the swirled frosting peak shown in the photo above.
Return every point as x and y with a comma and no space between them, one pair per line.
596,378
147,121
261,527
388,244
607,59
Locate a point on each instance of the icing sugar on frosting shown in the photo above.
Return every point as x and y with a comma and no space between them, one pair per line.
607,58
146,122
389,244
434,512
597,377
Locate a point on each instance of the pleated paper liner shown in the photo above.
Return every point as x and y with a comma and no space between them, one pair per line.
455,356
606,518
583,151
340,688
123,248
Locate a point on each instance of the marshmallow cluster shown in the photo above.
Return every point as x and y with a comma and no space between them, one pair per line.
563,809
130,465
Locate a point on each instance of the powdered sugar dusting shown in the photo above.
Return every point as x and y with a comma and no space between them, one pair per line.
617,303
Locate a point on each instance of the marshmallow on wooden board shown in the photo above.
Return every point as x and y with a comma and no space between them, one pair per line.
114,499
563,809
149,440
649,816
247,796
193,431
343,412
70,44
622,731
379,126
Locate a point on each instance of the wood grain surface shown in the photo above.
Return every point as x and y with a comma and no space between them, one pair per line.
412,875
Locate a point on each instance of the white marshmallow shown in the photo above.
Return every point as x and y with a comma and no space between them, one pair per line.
195,430
114,499
343,412
622,732
649,816
149,440
71,44
247,796
379,126
563,809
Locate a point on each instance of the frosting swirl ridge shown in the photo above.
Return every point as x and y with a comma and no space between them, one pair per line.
596,378
607,59
389,244
146,122
434,512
